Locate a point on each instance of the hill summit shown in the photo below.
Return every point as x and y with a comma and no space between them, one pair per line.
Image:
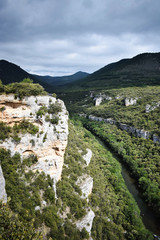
143,69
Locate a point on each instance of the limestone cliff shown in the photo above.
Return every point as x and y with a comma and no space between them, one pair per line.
51,140
85,182
3,194
136,132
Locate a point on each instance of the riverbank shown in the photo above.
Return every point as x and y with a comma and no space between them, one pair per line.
151,222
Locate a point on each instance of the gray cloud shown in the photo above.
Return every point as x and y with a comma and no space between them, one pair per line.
65,36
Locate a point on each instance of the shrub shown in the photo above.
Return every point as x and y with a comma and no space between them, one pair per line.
25,126
27,80
45,137
11,226
1,86
4,131
23,89
54,120
31,159
54,95
55,108
47,118
42,111
49,195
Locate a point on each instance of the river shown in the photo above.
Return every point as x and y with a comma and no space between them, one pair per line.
151,222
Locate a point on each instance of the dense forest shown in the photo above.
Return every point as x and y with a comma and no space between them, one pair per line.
140,155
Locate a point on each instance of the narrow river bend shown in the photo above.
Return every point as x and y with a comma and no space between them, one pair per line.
151,222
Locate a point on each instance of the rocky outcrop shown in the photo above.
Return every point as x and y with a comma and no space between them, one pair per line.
94,118
152,107
156,138
99,119
98,101
85,182
130,101
99,98
3,194
86,221
134,131
87,157
49,143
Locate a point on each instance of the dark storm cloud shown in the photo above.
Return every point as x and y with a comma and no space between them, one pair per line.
67,35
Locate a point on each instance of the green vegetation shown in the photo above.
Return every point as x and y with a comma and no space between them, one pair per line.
140,155
23,88
1,87
52,110
11,227
24,187
23,128
69,176
30,160
55,108
4,131
27,190
138,71
117,215
54,120
42,111
134,115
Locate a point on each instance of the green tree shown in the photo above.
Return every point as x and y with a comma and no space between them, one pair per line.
11,227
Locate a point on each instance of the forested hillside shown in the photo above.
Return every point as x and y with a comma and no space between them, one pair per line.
88,200
141,70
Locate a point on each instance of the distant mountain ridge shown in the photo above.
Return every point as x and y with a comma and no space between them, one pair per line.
143,69
61,80
10,72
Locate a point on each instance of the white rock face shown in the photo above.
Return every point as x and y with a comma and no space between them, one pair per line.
99,119
50,142
98,101
3,194
99,98
86,221
136,132
130,101
87,157
85,182
150,108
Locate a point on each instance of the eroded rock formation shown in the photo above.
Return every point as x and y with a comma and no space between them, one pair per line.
136,132
51,140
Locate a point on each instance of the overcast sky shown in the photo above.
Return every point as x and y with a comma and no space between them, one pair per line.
59,37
